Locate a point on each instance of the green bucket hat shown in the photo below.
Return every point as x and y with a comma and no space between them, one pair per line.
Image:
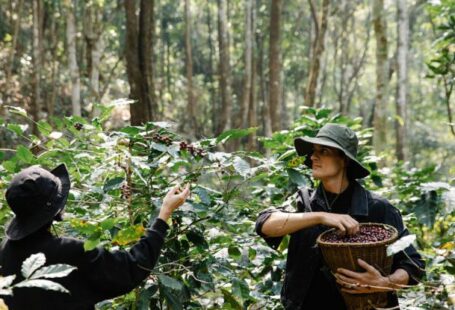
337,136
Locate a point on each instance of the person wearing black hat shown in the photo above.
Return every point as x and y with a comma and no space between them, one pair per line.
341,202
38,197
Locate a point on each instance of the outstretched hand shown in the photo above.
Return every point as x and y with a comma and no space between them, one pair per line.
173,199
370,281
343,222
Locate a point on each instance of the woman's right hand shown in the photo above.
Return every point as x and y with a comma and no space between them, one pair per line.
343,222
173,199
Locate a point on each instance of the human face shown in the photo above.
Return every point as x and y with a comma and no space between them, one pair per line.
327,163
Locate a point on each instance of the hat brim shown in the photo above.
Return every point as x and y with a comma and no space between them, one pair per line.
20,228
304,147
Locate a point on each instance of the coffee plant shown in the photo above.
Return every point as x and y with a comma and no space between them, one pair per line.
212,257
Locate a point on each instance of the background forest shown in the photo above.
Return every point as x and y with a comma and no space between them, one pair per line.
136,95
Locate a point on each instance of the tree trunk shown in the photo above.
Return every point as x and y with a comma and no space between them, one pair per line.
146,39
275,65
16,28
246,93
318,50
72,59
382,71
402,74
252,105
191,104
35,106
224,69
213,101
138,52
266,122
94,42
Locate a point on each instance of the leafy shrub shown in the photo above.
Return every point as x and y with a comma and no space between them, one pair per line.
212,257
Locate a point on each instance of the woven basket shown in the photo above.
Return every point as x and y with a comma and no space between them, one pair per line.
345,255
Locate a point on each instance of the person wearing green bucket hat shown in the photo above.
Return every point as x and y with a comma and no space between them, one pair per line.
339,201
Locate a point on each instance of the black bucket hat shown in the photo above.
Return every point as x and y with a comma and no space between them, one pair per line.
337,136
36,196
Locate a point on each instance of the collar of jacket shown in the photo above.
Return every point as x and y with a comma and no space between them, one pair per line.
359,201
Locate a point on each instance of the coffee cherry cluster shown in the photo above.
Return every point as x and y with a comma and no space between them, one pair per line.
162,139
192,149
126,191
366,234
78,126
184,146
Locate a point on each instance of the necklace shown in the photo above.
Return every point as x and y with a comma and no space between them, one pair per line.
329,206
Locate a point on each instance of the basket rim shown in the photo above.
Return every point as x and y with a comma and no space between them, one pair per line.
357,244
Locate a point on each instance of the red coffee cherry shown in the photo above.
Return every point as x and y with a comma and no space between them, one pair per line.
366,234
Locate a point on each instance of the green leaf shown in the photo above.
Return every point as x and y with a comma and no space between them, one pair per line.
241,166
130,130
9,165
32,263
44,284
129,234
107,224
114,183
6,281
296,177
234,252
169,282
158,146
55,135
17,110
240,288
203,195
234,134
5,292
287,154
17,129
230,300
197,238
44,127
400,244
24,154
53,271
173,300
143,302
90,244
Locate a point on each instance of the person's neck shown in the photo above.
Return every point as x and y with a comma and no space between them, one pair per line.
335,185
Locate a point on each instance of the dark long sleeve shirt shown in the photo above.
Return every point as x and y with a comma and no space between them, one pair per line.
307,285
100,274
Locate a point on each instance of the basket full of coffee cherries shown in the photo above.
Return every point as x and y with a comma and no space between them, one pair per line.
369,244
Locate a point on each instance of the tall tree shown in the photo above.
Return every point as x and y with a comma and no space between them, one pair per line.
247,73
265,113
252,105
382,75
213,98
348,56
275,64
17,18
37,60
320,27
224,69
402,78
94,41
191,104
139,65
71,33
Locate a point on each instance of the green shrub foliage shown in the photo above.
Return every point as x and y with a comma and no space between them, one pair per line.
212,257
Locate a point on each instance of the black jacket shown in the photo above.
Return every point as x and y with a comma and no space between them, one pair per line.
100,274
304,259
